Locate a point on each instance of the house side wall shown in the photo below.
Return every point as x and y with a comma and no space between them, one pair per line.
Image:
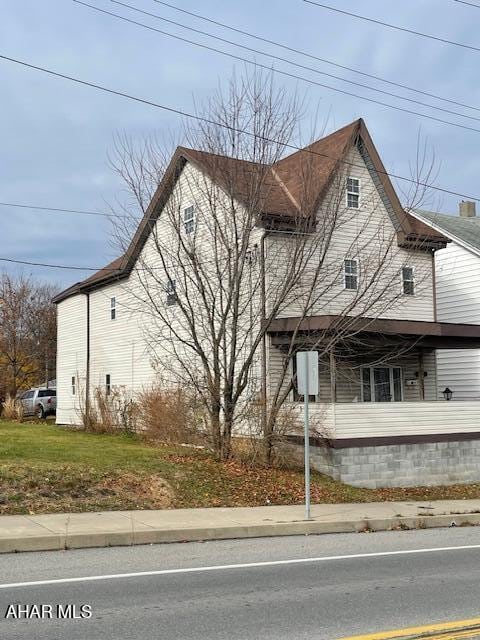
458,300
71,357
137,348
117,347
367,234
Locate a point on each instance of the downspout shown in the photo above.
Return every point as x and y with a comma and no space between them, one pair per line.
263,316
87,371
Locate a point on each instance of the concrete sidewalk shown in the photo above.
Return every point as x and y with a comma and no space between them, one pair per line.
104,529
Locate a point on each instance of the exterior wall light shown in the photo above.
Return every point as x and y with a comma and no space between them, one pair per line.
447,393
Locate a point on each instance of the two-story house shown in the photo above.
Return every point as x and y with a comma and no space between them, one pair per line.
371,312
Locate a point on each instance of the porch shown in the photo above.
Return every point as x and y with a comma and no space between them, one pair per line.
380,416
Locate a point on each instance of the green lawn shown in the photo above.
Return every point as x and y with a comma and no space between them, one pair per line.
44,468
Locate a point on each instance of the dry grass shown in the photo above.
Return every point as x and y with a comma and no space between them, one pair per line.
12,409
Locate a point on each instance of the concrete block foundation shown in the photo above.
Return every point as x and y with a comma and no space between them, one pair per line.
398,465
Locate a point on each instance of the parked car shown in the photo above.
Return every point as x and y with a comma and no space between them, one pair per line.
39,402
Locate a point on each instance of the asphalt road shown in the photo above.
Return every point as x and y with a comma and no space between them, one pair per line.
318,599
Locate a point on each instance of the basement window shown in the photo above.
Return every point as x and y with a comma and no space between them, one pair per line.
408,281
113,308
350,274
189,219
353,193
108,386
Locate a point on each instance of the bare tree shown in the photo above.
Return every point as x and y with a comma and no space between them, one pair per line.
27,333
234,249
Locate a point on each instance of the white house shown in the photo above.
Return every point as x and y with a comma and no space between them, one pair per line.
385,420
458,295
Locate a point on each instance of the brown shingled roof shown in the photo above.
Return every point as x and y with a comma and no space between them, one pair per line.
281,192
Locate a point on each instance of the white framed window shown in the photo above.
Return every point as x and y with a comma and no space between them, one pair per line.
74,385
171,290
189,219
113,308
350,274
382,384
353,193
408,281
108,384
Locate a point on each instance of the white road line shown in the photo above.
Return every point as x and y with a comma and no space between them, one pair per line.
246,565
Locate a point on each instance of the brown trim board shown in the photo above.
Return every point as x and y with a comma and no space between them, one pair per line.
379,441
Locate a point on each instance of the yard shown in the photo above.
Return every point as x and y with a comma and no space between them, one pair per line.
45,468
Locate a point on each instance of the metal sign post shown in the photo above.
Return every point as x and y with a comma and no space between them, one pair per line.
307,385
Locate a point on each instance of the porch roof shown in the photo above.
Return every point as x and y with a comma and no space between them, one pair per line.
431,335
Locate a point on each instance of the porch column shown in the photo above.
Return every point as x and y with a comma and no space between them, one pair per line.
421,375
333,376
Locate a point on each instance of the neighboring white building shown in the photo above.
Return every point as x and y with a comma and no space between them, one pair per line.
368,403
458,295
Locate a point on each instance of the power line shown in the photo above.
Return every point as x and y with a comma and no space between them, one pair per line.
291,62
60,210
284,73
313,57
54,266
470,4
393,26
186,114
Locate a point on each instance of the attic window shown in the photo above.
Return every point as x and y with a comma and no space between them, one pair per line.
353,193
189,219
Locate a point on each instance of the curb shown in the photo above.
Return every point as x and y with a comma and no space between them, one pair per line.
57,541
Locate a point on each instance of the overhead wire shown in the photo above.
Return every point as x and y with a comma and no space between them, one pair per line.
288,61
280,71
318,58
393,26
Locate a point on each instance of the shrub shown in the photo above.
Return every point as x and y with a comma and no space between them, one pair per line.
12,409
110,412
170,415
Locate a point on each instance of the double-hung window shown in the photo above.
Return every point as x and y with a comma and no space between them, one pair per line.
108,385
408,281
74,385
353,193
113,308
189,219
350,274
171,293
382,384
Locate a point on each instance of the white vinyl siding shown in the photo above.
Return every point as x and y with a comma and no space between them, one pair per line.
71,357
458,300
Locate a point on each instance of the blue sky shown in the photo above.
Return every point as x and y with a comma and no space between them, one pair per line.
55,136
